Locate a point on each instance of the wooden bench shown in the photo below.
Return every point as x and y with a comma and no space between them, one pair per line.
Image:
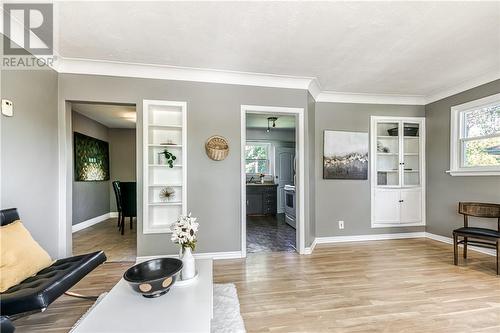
482,237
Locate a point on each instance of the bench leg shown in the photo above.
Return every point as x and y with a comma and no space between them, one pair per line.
498,258
455,249
465,247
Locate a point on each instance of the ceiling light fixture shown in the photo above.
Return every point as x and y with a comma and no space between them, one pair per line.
269,120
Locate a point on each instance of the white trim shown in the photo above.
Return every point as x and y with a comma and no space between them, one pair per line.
310,249
206,255
90,222
151,71
375,237
362,98
449,240
113,214
300,147
466,85
364,238
456,168
164,72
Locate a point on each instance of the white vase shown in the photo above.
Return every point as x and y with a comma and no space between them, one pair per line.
188,265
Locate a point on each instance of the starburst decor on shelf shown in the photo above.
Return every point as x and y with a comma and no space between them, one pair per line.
167,193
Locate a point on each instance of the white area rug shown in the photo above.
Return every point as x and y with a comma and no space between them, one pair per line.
227,317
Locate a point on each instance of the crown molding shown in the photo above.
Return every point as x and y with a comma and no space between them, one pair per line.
152,71
475,82
361,98
311,84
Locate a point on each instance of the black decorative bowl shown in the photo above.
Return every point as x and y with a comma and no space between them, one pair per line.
153,278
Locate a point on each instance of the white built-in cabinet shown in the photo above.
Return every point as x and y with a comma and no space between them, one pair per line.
164,127
397,150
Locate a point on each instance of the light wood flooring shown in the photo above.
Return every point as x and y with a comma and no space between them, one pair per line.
408,285
106,236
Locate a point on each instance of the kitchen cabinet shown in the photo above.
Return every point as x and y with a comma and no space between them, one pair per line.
261,199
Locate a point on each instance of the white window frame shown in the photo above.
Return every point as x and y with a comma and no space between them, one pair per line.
269,156
456,139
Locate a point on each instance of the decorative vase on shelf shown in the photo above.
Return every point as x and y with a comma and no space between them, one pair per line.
188,264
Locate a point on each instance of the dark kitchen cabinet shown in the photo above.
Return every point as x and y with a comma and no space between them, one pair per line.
261,199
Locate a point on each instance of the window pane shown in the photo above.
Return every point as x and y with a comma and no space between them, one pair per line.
251,167
481,122
262,167
483,152
253,152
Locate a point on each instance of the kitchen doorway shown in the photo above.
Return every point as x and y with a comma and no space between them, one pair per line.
272,173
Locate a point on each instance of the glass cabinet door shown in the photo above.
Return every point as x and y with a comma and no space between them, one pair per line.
387,159
411,154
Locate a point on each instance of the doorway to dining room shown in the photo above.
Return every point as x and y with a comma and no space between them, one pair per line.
104,190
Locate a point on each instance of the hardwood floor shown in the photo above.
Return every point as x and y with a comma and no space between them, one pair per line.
106,236
408,285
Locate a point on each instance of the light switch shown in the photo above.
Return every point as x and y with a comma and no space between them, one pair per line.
7,108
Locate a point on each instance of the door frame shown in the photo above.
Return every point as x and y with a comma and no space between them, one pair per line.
300,172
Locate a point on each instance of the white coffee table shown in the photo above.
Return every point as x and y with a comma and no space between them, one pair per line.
182,309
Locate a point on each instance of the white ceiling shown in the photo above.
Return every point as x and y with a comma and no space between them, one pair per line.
111,116
409,48
260,121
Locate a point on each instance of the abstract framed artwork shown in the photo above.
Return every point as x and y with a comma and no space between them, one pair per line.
91,158
345,155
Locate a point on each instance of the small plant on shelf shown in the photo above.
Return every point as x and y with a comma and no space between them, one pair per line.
169,157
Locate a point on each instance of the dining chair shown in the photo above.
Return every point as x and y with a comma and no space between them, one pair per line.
128,194
116,189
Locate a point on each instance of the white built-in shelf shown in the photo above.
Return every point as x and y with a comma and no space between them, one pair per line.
153,126
163,121
165,204
154,145
165,185
164,166
397,195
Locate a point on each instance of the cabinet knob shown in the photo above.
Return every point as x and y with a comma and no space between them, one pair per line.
401,200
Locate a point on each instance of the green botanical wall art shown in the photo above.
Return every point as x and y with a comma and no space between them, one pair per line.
91,158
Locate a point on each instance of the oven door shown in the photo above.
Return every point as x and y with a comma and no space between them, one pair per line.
290,203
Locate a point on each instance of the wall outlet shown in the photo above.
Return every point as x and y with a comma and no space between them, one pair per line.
341,224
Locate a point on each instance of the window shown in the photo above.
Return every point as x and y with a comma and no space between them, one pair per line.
257,156
475,138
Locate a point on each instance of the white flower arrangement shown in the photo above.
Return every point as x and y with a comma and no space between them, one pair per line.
184,231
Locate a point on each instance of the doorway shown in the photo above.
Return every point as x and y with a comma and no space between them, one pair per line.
103,187
272,171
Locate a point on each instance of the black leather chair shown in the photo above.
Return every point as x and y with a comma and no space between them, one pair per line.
128,193
36,293
116,189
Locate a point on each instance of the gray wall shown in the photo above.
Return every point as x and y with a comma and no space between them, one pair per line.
286,135
29,152
122,159
90,199
213,187
445,191
349,200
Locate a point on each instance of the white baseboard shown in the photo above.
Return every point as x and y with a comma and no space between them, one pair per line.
93,221
206,255
364,238
449,240
310,249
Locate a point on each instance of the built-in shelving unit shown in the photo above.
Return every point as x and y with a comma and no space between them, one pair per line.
397,171
164,127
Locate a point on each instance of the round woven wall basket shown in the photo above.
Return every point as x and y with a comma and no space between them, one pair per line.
217,148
